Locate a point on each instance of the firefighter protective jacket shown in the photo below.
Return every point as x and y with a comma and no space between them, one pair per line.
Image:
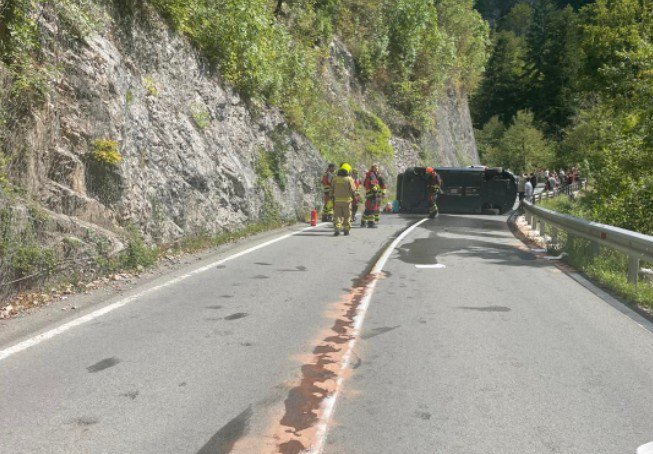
343,189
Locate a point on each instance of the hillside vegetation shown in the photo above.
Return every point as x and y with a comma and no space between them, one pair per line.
571,83
275,52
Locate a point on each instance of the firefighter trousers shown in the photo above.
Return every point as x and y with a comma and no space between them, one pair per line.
342,216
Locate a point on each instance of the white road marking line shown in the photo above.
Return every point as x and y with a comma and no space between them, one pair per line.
24,345
330,402
437,266
645,449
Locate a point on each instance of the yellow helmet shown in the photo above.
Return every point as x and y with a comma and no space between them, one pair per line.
346,167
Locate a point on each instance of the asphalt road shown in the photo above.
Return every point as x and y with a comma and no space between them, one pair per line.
496,352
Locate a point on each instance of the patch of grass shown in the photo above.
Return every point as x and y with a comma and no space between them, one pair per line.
201,115
372,136
150,86
607,267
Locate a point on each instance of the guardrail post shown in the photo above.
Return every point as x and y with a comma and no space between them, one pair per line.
542,227
570,242
534,223
596,249
633,270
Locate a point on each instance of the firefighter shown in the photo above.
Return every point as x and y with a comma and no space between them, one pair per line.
357,198
327,211
434,189
375,189
343,193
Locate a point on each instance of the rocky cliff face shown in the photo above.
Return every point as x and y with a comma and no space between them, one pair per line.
190,146
196,159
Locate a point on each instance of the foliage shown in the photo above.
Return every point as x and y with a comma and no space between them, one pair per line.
502,91
150,86
19,48
521,147
411,48
23,259
107,152
201,116
469,34
371,136
606,266
270,166
137,253
4,181
587,76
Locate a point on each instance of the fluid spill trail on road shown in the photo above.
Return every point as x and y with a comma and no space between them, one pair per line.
320,375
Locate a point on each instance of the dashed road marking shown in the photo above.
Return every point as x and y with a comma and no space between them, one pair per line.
437,266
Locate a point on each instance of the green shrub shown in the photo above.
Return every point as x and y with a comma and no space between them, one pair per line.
107,152
270,165
137,253
28,260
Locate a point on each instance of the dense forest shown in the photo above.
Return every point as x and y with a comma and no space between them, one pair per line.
571,83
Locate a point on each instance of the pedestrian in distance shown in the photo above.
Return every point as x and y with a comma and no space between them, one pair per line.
343,193
521,186
533,180
528,190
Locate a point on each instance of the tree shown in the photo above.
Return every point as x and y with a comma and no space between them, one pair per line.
522,148
518,20
553,57
488,138
502,91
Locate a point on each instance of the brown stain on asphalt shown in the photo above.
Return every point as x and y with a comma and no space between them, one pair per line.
319,376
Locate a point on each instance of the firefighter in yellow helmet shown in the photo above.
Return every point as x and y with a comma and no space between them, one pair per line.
343,193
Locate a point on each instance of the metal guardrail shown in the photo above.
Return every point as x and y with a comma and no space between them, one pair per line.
565,190
638,247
